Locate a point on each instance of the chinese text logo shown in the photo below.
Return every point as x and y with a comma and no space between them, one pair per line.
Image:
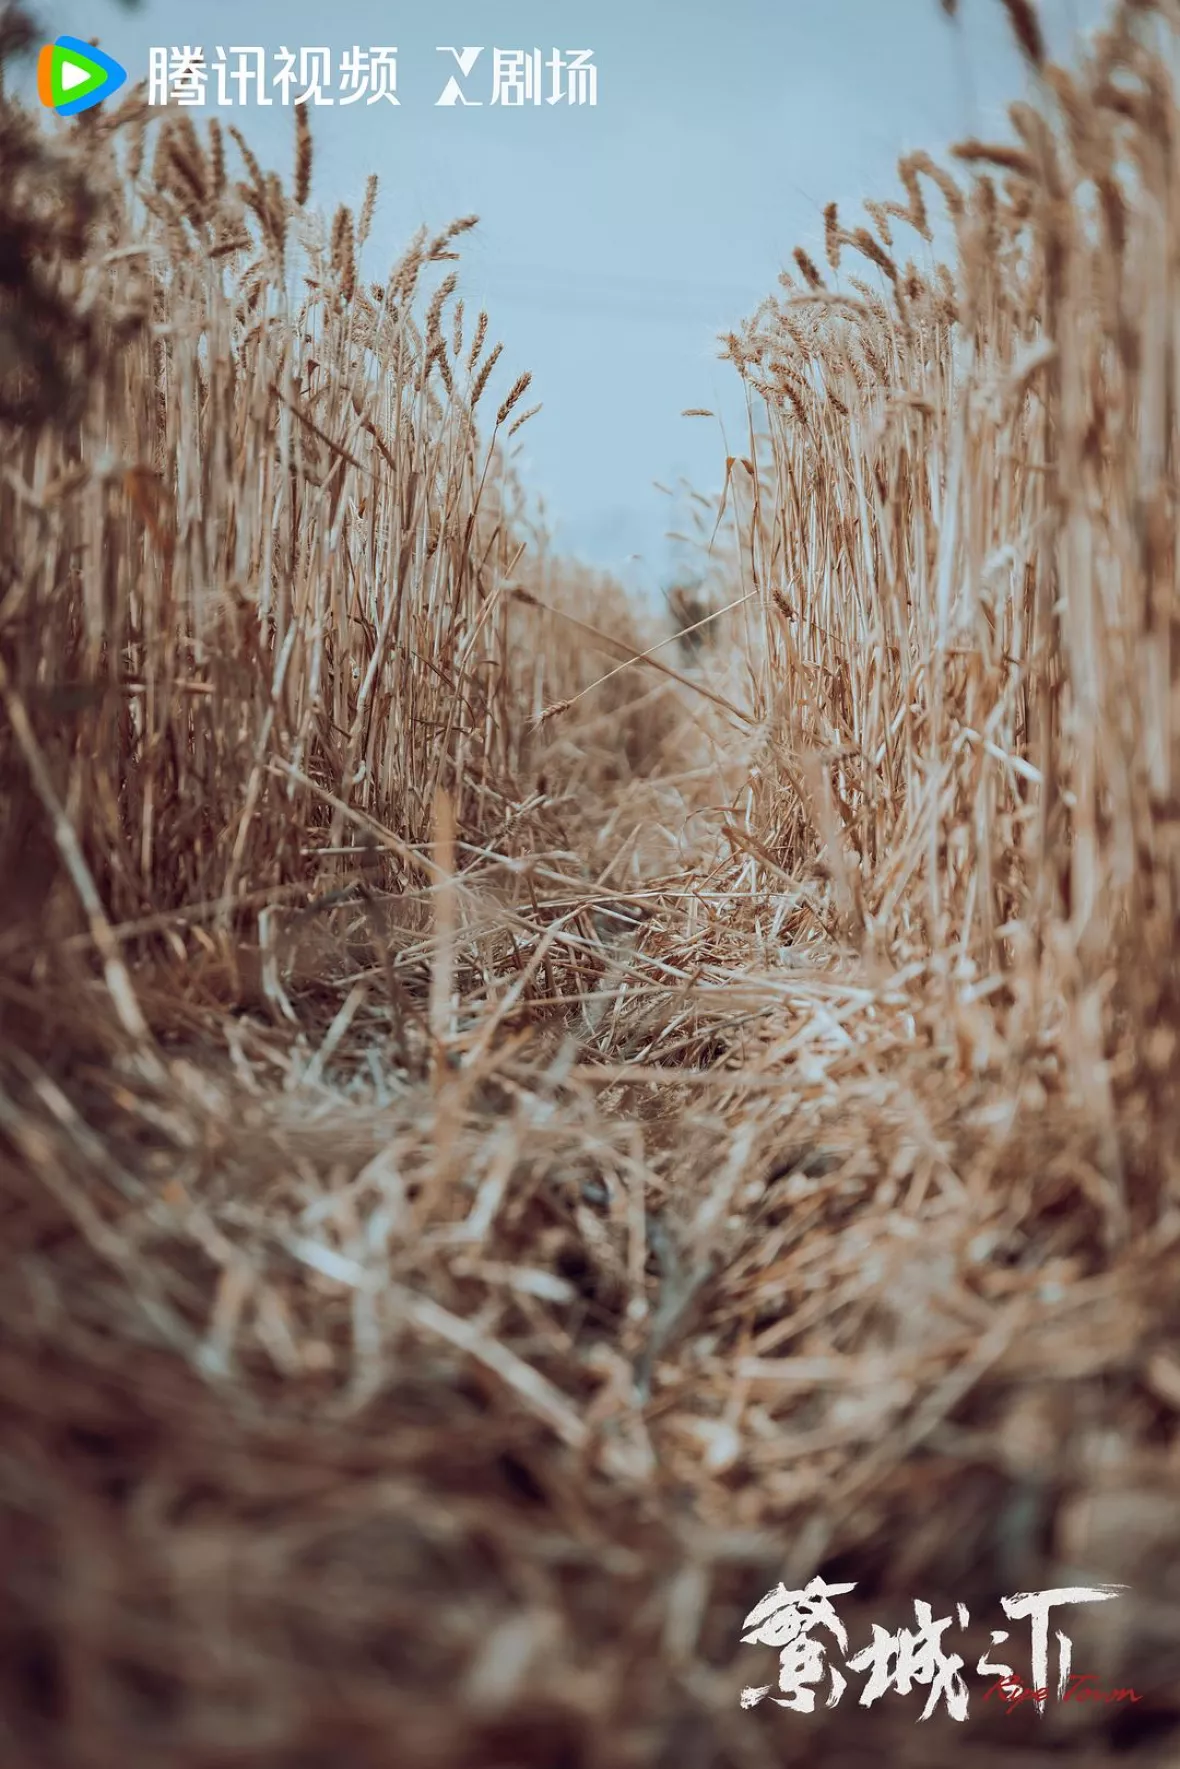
73,76
253,75
912,1657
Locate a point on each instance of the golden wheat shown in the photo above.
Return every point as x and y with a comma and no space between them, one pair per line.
431,1319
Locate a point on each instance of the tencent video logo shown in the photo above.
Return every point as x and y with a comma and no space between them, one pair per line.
74,76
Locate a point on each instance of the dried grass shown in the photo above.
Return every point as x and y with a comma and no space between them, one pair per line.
511,1149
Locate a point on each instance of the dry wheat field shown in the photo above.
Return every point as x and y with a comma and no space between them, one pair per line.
514,1137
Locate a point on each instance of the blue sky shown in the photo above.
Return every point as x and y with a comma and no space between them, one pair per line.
616,241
